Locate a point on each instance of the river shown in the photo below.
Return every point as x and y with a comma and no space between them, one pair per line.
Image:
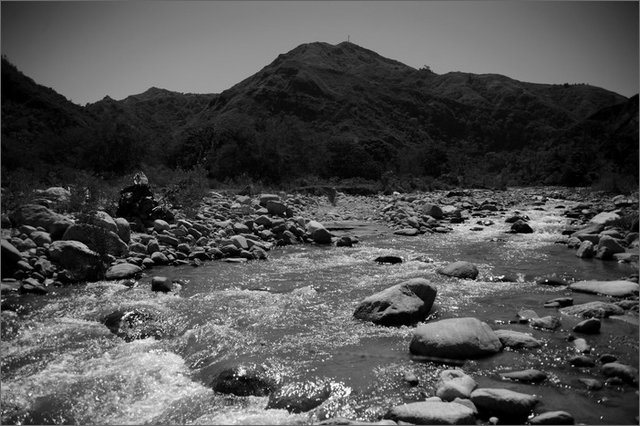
292,314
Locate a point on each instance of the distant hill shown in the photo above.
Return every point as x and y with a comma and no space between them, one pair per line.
345,111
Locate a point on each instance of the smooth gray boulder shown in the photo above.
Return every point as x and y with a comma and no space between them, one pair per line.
80,262
403,304
97,239
505,404
618,288
454,384
37,215
588,326
318,233
121,271
432,413
460,269
456,338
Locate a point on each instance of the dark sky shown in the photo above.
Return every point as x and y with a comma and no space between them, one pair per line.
86,50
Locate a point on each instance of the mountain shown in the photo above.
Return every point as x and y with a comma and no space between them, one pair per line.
345,111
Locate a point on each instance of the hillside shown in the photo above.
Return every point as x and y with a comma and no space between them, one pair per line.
345,111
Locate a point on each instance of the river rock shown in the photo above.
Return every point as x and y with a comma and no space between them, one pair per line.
138,322
10,256
625,372
588,326
103,220
503,403
407,232
37,215
299,397
548,323
244,380
433,211
585,251
591,384
388,259
595,309
559,302
605,218
121,271
264,198
528,376
457,338
517,340
552,418
454,384
581,345
403,304
276,208
318,233
97,239
582,361
123,229
521,227
161,284
432,413
81,262
619,288
460,269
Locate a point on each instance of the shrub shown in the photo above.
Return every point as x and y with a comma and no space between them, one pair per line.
186,190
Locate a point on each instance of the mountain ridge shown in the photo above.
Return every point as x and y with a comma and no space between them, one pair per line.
326,101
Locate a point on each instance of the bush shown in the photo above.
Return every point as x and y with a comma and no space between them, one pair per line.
186,190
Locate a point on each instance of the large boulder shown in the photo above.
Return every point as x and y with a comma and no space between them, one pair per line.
37,215
403,304
124,229
318,233
612,245
81,263
619,288
432,413
521,227
505,404
433,211
456,338
103,220
97,239
10,257
460,269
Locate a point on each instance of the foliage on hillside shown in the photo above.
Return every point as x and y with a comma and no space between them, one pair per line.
335,112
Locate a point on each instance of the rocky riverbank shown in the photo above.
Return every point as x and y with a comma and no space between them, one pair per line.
43,249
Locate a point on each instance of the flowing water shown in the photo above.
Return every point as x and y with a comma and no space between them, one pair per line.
293,315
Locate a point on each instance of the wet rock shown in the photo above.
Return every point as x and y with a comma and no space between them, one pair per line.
607,358
547,323
80,262
344,241
582,361
97,239
32,286
521,227
591,384
460,269
407,232
403,304
517,340
516,218
456,338
159,258
36,215
550,280
161,284
619,288
454,384
411,378
433,211
527,376
552,418
299,397
559,302
318,233
588,326
595,309
625,372
244,380
10,256
581,345
432,412
121,271
136,323
388,259
505,404
585,251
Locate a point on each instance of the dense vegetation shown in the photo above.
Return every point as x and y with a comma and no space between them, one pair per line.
324,112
